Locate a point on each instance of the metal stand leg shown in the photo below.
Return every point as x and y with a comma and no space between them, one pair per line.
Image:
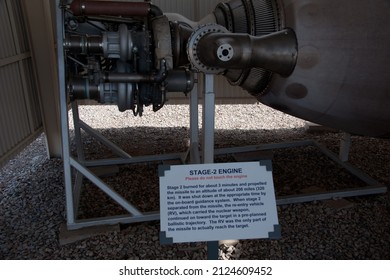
208,120
64,119
78,182
77,131
194,125
208,141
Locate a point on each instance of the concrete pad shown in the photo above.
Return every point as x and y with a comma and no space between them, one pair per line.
70,236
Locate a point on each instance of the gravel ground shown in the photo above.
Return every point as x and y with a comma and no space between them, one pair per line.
32,200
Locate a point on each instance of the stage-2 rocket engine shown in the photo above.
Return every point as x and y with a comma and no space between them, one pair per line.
320,60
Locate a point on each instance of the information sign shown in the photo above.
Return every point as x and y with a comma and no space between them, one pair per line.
210,202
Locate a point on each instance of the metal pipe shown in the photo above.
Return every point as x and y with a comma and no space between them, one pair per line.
82,88
112,8
180,81
127,78
155,11
158,77
176,81
108,8
83,44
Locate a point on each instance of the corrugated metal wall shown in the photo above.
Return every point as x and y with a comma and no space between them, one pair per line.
20,119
